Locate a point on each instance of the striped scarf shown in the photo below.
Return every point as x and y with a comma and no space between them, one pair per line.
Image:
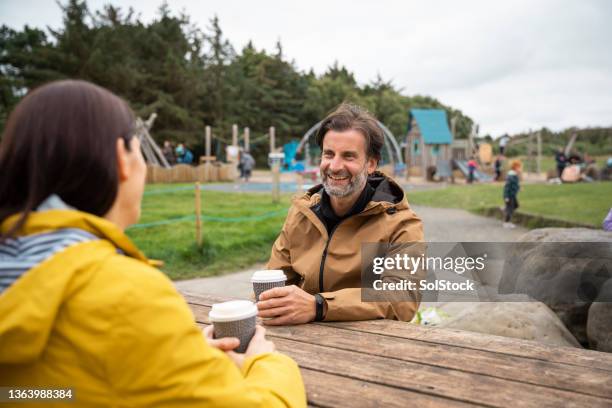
21,254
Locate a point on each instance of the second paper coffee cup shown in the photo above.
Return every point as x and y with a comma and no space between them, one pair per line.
267,279
236,318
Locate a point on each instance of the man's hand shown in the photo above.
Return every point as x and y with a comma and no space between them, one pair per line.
286,305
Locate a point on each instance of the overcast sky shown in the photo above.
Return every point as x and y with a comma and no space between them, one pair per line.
511,65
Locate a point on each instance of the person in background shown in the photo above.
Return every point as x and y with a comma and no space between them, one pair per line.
168,153
607,222
81,307
511,189
503,141
498,167
183,154
574,158
472,166
561,161
248,163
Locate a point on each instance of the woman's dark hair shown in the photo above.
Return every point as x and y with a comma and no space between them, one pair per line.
347,116
61,138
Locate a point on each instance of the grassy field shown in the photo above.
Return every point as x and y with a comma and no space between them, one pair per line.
238,229
583,202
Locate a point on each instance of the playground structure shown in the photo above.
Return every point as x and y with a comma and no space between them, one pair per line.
428,143
533,163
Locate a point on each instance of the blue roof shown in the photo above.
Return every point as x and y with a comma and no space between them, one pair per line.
433,125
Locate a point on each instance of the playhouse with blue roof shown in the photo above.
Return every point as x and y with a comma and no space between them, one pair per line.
428,142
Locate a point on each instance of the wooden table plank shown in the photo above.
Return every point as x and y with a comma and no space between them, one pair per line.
328,390
472,387
465,339
436,382
472,340
589,381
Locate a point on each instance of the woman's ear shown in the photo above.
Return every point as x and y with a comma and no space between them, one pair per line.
123,169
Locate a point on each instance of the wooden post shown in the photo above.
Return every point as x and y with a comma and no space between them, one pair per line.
407,160
207,142
234,135
530,151
272,139
247,137
539,162
276,182
207,150
198,211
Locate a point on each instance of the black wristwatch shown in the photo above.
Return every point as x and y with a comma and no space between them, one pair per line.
319,300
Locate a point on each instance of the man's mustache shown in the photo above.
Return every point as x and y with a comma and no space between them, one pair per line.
343,173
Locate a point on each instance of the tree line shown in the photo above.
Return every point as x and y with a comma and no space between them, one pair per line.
192,77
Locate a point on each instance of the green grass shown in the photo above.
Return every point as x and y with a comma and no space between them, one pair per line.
586,203
228,246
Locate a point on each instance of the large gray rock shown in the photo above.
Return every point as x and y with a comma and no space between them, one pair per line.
520,320
566,276
599,322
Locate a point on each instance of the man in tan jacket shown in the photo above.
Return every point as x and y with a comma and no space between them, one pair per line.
319,247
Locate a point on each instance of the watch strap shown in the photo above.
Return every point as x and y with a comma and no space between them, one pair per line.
319,300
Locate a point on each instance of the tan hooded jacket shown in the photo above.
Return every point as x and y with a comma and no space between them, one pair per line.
331,266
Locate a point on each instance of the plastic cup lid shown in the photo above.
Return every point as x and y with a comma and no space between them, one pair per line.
232,310
274,275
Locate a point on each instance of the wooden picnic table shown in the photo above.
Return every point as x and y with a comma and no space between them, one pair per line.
386,363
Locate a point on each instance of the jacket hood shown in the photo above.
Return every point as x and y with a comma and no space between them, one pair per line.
29,306
387,194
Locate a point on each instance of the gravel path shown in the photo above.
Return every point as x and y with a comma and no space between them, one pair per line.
441,225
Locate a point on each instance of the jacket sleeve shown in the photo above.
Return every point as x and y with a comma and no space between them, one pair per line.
346,304
280,257
159,357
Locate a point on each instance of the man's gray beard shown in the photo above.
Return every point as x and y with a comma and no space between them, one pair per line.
356,184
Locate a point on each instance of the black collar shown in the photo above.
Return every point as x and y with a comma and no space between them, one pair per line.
325,211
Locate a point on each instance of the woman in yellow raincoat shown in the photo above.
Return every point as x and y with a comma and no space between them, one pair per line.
80,306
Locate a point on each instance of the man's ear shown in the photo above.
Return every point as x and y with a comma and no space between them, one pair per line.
372,164
123,169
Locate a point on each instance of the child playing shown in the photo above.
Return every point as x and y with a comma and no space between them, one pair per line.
472,166
511,189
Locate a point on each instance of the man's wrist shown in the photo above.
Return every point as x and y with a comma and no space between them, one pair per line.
320,307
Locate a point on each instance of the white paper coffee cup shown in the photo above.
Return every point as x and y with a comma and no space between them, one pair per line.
267,279
236,318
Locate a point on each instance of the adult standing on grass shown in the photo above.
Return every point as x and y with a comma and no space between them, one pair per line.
248,163
81,307
511,189
561,161
498,167
319,247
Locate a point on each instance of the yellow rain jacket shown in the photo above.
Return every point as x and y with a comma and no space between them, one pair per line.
95,317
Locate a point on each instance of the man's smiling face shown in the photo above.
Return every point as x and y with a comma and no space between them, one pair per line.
344,163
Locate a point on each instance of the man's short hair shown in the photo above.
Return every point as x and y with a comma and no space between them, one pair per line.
348,116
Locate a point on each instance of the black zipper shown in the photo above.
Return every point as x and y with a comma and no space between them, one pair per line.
322,267
325,256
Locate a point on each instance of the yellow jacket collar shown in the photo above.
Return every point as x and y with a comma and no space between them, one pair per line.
50,220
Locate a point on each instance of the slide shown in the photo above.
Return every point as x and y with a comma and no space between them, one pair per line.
478,175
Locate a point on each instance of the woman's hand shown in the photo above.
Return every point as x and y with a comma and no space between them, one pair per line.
258,345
